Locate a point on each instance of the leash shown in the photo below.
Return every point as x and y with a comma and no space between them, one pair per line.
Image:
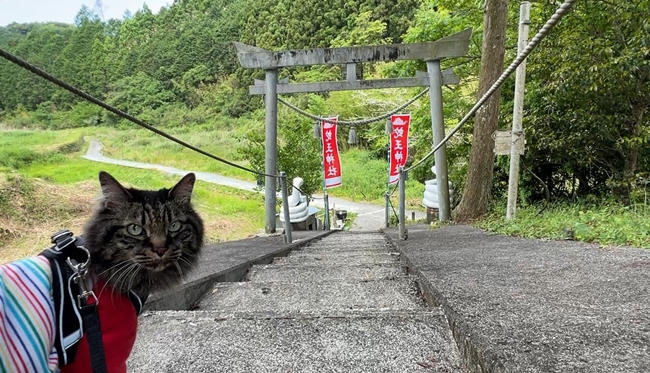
75,270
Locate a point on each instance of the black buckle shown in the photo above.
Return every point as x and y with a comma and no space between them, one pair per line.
63,239
60,234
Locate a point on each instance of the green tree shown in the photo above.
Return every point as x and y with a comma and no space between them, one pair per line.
77,66
432,22
41,44
280,24
588,98
298,151
138,94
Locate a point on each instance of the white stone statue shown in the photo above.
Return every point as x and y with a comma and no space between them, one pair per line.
298,204
431,191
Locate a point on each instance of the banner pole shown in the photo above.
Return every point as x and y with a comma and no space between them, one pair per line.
326,204
389,132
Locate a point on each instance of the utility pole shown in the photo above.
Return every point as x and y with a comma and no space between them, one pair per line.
517,145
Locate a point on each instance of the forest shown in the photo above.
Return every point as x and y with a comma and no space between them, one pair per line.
587,87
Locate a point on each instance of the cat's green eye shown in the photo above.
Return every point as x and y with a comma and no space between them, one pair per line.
134,229
175,226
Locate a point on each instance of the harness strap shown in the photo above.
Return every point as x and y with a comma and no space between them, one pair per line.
69,328
72,320
93,330
137,301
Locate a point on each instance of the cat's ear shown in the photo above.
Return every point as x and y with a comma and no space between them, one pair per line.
112,190
182,191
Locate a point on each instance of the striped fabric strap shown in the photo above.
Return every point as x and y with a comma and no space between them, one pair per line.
27,328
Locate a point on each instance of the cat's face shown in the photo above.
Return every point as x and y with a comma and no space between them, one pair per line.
144,240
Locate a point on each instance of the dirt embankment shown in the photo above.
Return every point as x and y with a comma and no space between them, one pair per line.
31,210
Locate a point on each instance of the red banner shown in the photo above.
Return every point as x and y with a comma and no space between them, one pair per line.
399,140
331,160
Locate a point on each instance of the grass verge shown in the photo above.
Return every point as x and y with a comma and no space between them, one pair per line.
606,224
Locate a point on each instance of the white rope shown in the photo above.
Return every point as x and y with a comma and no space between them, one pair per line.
360,122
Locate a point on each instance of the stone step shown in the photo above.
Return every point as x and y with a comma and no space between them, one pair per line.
349,273
209,342
355,259
293,314
354,234
350,242
346,248
309,296
344,253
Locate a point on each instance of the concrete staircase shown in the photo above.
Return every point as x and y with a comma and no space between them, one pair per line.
341,304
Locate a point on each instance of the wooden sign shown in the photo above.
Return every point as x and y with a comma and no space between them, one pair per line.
503,141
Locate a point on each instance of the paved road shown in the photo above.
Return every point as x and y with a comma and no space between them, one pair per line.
370,217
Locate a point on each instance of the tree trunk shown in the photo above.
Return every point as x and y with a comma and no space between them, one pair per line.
584,189
622,191
478,187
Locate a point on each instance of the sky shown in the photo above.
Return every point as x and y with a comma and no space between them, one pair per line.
23,11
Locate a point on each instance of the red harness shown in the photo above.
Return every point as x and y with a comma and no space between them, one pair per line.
119,324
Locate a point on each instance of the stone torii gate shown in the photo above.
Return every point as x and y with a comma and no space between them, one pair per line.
251,57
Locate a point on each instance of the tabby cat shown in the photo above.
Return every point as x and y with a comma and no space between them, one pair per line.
143,240
140,241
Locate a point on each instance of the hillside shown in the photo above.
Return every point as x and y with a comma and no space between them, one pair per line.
586,106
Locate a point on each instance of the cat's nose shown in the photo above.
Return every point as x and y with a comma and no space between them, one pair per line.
159,250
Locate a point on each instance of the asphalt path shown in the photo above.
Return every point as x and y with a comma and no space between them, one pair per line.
370,217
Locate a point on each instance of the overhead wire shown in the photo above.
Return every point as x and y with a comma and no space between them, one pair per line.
45,75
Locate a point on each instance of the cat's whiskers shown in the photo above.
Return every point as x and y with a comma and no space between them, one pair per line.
124,265
186,261
175,257
146,261
121,271
180,271
154,263
133,276
117,287
180,256
122,280
124,262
